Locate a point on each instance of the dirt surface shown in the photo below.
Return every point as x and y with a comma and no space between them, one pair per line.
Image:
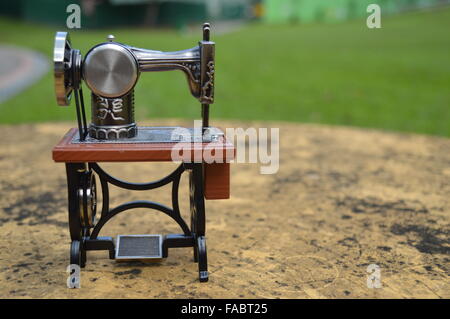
343,199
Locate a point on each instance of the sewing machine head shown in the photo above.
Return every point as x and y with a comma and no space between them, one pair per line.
111,71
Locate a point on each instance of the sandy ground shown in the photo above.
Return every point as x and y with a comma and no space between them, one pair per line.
343,199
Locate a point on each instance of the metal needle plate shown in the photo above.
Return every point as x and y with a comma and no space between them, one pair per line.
160,135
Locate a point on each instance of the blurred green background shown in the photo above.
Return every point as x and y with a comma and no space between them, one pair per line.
273,63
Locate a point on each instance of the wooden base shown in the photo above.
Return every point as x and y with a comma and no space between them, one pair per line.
217,181
216,174
67,152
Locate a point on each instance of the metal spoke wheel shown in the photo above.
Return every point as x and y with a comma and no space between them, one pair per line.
87,199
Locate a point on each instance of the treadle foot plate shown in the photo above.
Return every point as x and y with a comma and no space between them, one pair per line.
139,247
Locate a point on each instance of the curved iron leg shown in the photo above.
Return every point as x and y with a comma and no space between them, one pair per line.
198,219
83,239
83,258
74,173
202,259
195,254
192,209
75,253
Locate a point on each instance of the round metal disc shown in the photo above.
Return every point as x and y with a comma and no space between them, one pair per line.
62,55
110,70
87,199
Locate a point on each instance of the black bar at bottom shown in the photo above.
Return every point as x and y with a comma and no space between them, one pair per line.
176,240
101,243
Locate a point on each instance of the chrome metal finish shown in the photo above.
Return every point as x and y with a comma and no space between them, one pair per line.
152,135
110,70
113,132
187,61
62,59
197,63
112,118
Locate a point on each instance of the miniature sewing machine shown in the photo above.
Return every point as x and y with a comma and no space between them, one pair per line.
111,71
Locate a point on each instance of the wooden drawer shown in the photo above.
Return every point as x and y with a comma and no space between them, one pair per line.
217,181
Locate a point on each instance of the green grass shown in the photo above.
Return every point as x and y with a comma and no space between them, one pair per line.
394,78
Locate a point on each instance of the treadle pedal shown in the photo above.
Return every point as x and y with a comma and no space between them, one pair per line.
139,247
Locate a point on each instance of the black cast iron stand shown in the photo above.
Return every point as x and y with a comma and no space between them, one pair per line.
86,238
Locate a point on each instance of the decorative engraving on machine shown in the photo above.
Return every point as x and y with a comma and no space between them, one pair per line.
113,118
111,107
111,133
207,88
